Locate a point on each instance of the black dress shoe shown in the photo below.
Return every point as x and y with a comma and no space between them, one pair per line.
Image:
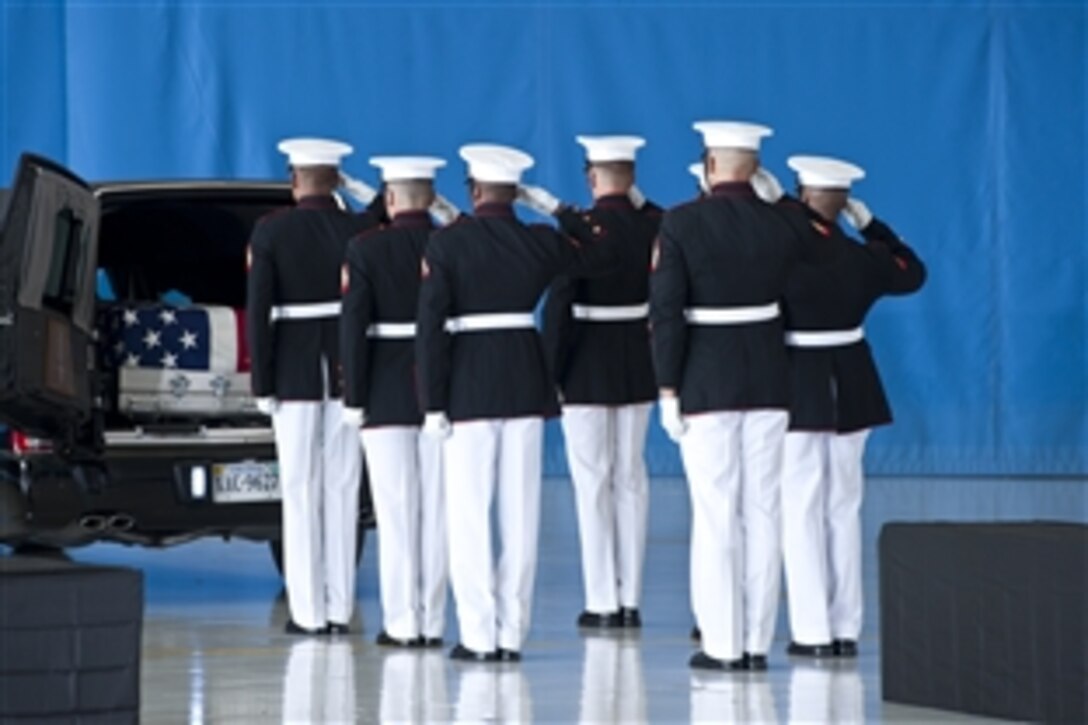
430,642
337,628
630,618
384,639
464,654
755,663
292,628
508,655
845,647
703,661
592,620
696,634
796,649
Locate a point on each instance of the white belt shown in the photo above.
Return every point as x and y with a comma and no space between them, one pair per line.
490,321
305,311
824,338
730,315
610,313
392,330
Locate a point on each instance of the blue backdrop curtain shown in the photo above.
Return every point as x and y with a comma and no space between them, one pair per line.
968,117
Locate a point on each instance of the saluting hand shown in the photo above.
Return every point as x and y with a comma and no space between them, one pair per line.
538,199
766,185
857,213
443,210
361,191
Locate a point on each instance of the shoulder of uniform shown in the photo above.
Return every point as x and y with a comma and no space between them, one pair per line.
653,210
680,213
687,207
278,212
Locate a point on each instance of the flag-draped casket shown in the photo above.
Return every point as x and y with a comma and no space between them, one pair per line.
177,361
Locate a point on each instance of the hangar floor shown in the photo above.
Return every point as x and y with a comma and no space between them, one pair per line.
214,649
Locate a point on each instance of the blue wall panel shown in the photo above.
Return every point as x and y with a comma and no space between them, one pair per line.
969,117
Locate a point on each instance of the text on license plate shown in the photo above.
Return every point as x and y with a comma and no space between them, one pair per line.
247,482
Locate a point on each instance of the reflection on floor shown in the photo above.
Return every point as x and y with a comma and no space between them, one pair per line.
215,652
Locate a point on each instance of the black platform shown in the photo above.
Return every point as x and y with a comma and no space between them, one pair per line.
69,641
986,619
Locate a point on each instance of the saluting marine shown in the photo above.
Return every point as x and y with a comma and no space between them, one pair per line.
837,398
482,366
292,319
596,331
378,341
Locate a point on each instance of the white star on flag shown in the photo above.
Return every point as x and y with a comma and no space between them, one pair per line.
188,340
130,318
151,339
168,317
169,360
132,360
119,348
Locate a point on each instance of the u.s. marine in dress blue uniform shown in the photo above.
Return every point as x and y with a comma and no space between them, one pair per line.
836,398
482,366
723,265
596,331
405,467
292,311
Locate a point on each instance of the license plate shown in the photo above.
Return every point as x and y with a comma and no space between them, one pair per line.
249,482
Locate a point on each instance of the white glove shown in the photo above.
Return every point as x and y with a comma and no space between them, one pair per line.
699,172
361,191
766,186
538,199
437,425
443,210
354,417
268,406
638,199
671,420
857,213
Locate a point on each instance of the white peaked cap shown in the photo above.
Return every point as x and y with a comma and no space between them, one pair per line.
314,151
698,170
407,168
494,164
824,172
732,134
611,148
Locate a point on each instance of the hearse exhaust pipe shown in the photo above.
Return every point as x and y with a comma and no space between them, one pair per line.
93,522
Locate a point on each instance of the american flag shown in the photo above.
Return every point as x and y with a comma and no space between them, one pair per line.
199,338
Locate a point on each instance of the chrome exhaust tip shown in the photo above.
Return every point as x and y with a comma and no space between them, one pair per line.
121,522
93,522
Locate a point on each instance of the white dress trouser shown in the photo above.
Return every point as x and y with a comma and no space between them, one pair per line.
822,487
733,462
405,470
320,465
485,460
611,492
